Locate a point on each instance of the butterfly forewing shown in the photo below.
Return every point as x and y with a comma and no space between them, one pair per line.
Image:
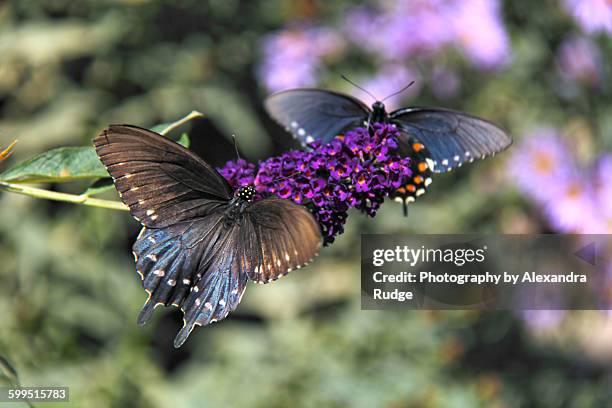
310,114
279,236
452,138
161,181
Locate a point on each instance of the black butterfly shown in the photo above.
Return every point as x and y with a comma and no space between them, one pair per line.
201,240
450,138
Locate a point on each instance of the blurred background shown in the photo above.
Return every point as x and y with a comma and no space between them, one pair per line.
69,294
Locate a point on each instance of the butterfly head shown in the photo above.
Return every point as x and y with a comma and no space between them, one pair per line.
379,113
378,106
246,193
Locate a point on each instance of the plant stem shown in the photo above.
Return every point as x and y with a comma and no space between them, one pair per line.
69,198
193,115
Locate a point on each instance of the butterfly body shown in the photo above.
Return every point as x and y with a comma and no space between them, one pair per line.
237,206
378,113
202,240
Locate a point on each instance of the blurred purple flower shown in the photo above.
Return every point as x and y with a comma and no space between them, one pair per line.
540,164
573,199
480,32
591,15
391,79
542,319
412,28
580,60
573,210
603,191
292,57
356,170
401,28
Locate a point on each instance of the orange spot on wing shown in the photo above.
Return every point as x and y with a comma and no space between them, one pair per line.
411,188
422,166
417,179
401,190
417,147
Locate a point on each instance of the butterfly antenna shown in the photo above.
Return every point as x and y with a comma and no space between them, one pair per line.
358,87
399,92
236,146
285,177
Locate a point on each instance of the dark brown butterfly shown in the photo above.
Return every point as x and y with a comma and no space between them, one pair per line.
201,240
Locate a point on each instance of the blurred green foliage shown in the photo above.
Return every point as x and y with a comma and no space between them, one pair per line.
69,294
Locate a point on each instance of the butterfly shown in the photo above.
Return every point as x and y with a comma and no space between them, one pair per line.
437,139
201,240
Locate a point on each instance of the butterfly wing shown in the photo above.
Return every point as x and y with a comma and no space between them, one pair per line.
161,181
220,285
452,138
311,114
172,260
278,236
274,237
420,165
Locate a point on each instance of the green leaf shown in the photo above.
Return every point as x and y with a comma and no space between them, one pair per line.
184,141
66,164
59,165
100,186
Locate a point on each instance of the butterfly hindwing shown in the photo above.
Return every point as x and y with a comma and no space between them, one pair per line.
452,138
169,259
310,114
220,286
421,166
161,181
278,236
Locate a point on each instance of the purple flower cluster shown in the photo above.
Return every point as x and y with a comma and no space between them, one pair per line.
355,170
573,199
